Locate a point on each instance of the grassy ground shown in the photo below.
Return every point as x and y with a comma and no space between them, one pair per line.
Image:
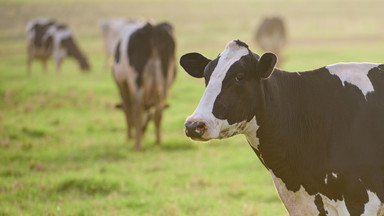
62,143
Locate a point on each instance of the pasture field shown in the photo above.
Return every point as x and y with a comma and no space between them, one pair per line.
62,143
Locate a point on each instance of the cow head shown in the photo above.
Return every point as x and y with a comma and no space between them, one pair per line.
233,83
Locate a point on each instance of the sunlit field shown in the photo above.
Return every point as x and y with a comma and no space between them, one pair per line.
63,148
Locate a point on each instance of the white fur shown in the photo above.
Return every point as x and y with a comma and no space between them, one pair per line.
335,207
334,175
298,203
301,203
355,74
373,206
203,112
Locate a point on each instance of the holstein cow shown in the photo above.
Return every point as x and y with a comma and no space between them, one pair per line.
271,35
144,70
319,133
47,38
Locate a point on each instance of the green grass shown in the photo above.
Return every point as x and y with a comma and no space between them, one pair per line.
62,142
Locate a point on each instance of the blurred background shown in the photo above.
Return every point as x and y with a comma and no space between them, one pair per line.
63,148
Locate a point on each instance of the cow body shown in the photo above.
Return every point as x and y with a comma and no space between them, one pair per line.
46,38
144,70
319,133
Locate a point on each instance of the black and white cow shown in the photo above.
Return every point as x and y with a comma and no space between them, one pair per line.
144,70
320,133
47,38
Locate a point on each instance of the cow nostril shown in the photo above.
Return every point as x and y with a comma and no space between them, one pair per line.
194,129
200,127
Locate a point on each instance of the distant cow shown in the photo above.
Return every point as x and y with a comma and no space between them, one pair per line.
144,69
320,133
47,38
111,30
271,35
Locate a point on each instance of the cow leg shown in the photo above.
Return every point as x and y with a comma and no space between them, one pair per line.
58,65
138,118
29,59
157,119
44,61
29,63
127,107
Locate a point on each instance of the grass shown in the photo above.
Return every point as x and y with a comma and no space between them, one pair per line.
62,143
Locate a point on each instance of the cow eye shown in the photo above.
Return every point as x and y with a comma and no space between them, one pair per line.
239,76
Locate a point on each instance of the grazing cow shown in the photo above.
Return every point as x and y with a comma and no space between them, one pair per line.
271,35
47,38
144,70
319,133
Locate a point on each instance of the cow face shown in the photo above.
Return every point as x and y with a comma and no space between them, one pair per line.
230,101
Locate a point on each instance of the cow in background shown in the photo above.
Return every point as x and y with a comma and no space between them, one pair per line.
111,30
144,69
47,38
271,36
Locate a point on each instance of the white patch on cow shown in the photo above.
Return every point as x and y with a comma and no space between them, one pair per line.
334,207
334,175
301,203
326,179
297,203
355,74
250,133
232,53
374,206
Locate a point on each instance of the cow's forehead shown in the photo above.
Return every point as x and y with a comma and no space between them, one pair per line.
231,54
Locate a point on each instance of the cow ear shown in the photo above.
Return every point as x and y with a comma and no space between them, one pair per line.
266,65
194,64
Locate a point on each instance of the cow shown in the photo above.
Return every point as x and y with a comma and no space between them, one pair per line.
111,30
271,35
319,132
47,38
144,69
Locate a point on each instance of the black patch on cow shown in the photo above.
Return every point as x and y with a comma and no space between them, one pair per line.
165,45
117,52
73,51
320,206
140,48
209,70
61,26
149,41
40,31
241,43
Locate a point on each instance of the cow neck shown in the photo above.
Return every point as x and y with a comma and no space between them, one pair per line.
276,120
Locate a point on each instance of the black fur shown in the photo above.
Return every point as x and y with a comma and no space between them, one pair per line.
117,52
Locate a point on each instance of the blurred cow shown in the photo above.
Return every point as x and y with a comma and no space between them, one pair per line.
111,30
144,69
47,38
271,35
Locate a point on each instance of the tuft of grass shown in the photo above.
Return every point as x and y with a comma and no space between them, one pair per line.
87,186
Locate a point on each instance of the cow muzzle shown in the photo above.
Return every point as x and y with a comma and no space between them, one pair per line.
195,129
